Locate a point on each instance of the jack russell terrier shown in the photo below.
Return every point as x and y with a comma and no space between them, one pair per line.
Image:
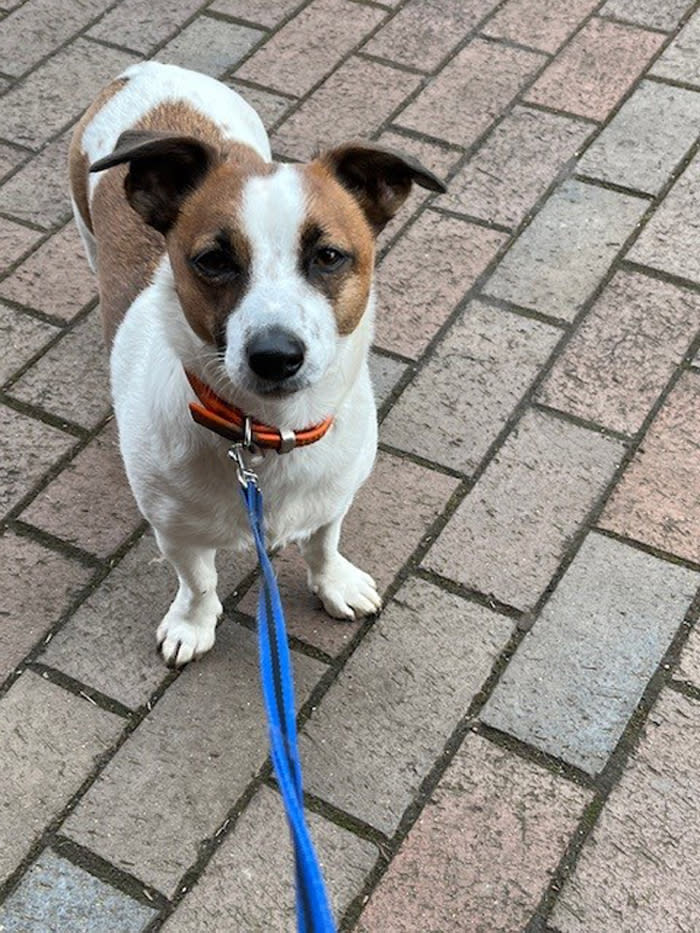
233,287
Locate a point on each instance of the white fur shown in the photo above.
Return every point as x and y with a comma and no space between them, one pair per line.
179,472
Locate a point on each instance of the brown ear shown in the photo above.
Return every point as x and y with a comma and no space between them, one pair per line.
379,178
163,170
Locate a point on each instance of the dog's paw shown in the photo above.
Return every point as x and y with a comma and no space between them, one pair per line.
346,591
185,637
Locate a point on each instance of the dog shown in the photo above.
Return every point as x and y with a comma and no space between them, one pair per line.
233,287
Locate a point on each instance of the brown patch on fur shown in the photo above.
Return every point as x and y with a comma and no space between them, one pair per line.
338,215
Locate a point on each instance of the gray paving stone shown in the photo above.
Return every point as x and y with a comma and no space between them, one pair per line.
681,60
508,536
56,896
385,373
22,336
646,139
638,869
664,15
191,757
249,884
49,741
669,240
379,729
454,409
557,262
582,669
209,45
139,26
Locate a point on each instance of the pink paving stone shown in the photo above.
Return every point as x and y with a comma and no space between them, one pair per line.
89,504
624,352
593,72
55,279
424,275
267,14
689,664
542,24
482,852
140,26
515,165
318,36
657,500
638,868
50,740
28,448
470,92
38,192
21,336
29,569
424,32
379,534
15,240
370,92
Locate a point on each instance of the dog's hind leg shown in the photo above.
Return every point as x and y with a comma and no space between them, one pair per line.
188,629
345,591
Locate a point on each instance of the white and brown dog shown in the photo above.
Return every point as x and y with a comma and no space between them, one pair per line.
255,280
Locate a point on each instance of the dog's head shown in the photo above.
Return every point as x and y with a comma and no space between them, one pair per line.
272,263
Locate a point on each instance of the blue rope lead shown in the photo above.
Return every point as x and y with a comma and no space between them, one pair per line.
313,909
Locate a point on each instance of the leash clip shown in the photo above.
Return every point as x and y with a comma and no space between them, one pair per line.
244,474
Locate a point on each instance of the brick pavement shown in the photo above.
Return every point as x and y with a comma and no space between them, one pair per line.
512,746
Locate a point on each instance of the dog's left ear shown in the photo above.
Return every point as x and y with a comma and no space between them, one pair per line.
379,178
163,170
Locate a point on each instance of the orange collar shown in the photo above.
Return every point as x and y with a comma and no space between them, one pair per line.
228,421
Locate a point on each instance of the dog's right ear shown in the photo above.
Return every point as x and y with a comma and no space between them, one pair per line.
163,170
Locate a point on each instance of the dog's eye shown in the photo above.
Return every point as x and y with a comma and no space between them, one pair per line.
329,259
215,264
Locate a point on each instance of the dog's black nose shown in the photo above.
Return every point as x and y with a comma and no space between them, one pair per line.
275,354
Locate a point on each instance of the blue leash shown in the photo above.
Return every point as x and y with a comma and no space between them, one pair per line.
313,909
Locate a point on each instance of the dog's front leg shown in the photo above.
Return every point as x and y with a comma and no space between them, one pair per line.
345,591
188,629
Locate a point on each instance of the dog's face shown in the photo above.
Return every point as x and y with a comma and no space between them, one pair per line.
272,263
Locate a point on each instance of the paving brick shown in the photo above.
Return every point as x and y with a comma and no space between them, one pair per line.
209,45
267,14
689,663
560,258
424,32
470,92
455,408
634,870
55,278
593,72
192,757
38,191
15,240
22,337
516,164
425,274
319,35
270,107
110,642
50,740
70,509
646,139
379,534
58,91
509,535
40,26
52,579
668,241
250,881
624,352
27,449
573,696
140,27
56,895
665,15
656,500
369,92
385,372
680,60
10,157
482,852
379,729
72,379
542,24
